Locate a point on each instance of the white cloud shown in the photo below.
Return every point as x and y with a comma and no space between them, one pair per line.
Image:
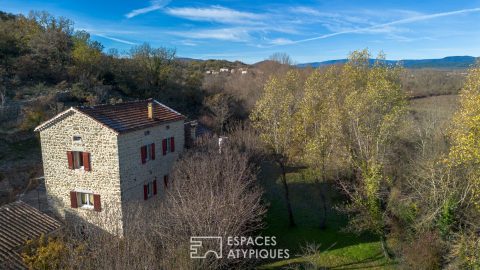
154,5
280,41
387,27
116,39
228,34
214,14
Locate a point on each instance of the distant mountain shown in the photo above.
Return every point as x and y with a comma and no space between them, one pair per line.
450,62
186,59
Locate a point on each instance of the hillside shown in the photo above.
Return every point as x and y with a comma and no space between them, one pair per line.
449,62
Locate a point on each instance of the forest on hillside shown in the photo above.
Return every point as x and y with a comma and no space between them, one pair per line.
357,164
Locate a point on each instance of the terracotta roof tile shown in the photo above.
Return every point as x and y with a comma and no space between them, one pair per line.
18,223
128,116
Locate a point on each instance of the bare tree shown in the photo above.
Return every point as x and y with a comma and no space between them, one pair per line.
282,58
211,194
219,105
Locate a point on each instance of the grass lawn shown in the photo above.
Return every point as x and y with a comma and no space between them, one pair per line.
336,249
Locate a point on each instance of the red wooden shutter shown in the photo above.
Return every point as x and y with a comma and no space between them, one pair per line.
164,146
145,192
153,152
86,161
165,181
155,187
97,206
172,144
73,199
70,159
143,153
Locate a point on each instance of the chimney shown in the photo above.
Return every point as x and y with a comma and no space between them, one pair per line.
150,110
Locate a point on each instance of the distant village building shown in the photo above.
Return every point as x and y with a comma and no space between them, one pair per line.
224,70
98,159
244,72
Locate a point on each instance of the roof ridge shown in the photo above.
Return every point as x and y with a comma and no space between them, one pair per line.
109,104
122,117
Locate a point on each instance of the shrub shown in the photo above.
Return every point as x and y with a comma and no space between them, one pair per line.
424,252
43,253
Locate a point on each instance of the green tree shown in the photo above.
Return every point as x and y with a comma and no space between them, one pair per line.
372,106
464,160
316,130
274,118
86,55
156,65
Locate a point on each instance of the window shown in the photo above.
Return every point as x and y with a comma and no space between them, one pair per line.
147,132
150,189
86,200
77,138
78,160
168,145
165,181
147,152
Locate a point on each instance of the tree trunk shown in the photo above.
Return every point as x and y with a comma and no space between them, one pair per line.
287,196
323,216
385,249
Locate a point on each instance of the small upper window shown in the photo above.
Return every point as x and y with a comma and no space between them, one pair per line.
147,132
77,138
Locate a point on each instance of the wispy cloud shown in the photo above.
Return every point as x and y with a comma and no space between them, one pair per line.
116,39
214,14
383,27
280,41
154,5
237,34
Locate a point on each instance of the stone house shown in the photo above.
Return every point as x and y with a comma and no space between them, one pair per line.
97,160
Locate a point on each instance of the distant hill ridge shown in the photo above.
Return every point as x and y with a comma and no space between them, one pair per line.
449,62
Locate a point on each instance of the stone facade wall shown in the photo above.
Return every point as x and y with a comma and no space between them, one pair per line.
134,175
103,178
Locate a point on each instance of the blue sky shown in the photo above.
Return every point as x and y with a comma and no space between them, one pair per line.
250,31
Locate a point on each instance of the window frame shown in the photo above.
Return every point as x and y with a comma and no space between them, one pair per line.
78,162
169,145
149,189
149,152
90,200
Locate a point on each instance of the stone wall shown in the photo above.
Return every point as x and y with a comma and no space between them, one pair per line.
134,175
103,179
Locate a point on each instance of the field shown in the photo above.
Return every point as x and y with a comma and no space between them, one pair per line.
332,248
